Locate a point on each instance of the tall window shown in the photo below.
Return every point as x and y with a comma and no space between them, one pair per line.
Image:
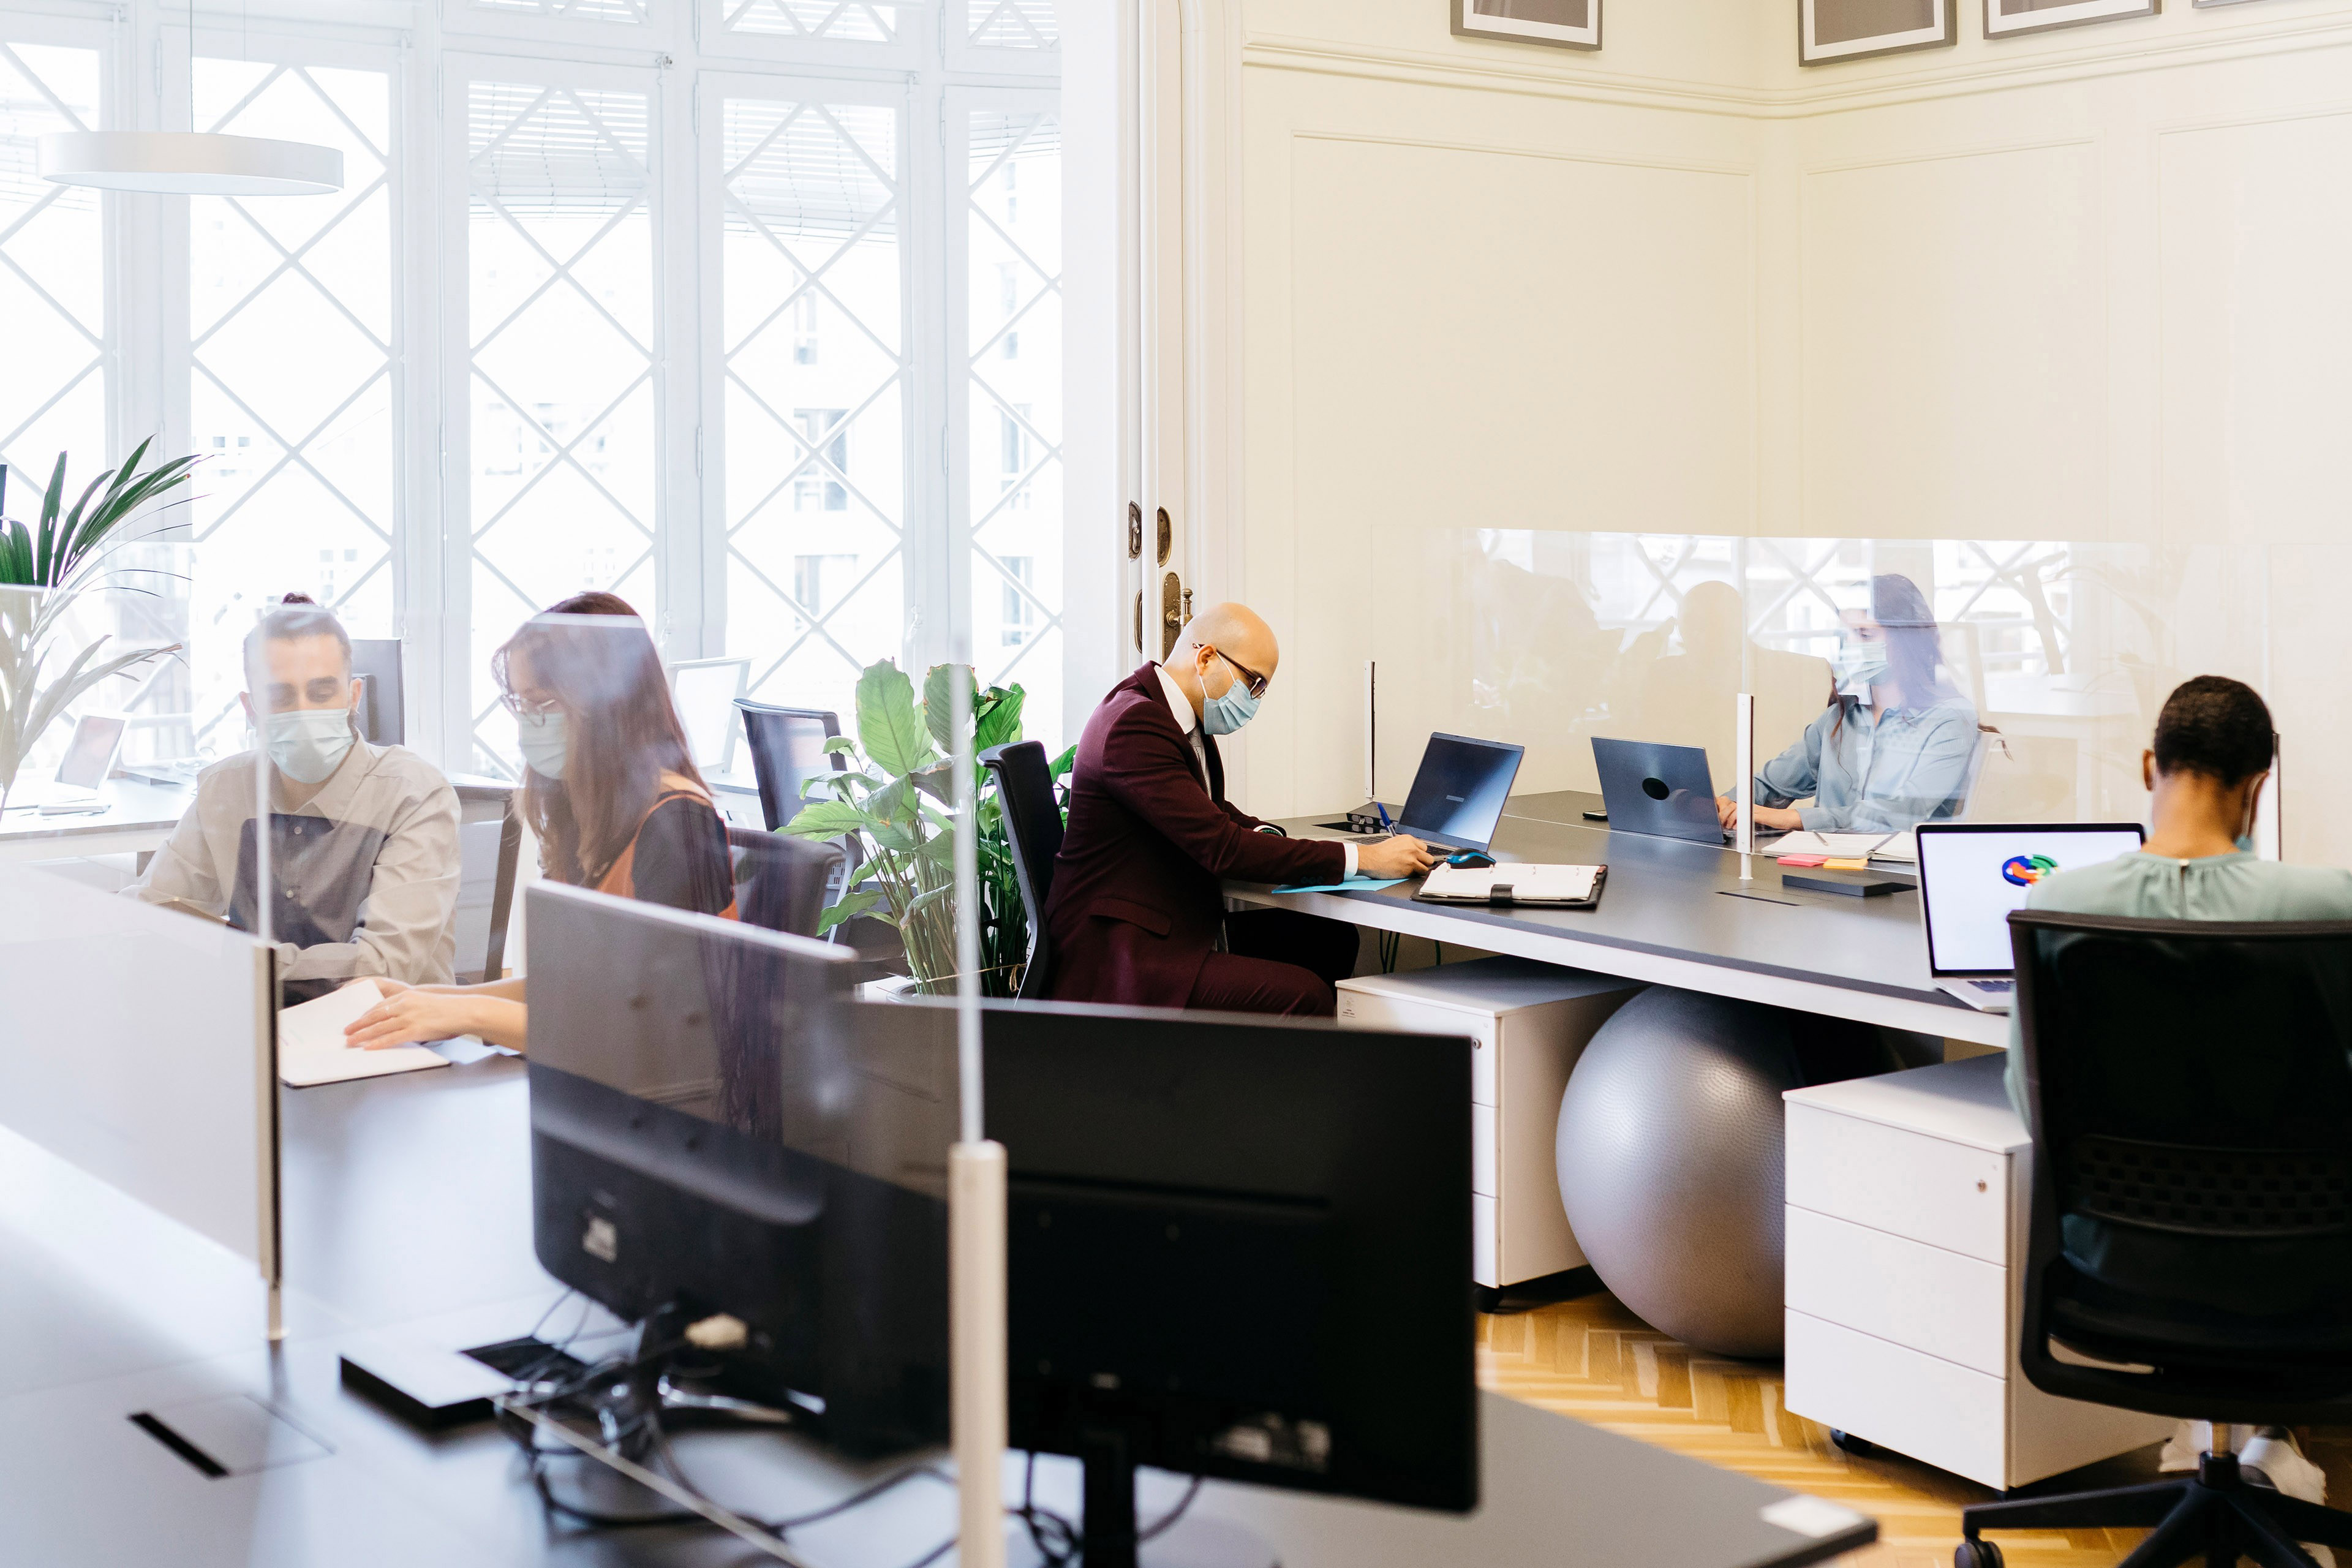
52,272
296,493
559,239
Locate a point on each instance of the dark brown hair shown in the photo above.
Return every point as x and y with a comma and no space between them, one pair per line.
623,733
297,615
2215,726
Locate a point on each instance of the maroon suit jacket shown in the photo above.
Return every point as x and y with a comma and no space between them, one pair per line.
1137,901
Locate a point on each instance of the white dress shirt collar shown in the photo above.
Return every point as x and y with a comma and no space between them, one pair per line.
1178,703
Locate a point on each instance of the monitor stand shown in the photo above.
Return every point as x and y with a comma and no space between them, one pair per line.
1107,1525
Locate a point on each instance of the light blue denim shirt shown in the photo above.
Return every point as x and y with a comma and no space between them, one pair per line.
1865,774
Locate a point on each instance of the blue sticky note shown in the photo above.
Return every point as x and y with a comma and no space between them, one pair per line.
1354,885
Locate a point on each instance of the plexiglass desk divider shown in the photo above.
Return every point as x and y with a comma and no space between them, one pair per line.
138,1047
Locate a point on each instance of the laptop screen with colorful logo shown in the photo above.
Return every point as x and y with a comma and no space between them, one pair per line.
1973,874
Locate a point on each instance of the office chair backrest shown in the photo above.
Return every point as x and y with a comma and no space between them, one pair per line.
1032,825
787,753
2189,1091
377,661
489,843
781,883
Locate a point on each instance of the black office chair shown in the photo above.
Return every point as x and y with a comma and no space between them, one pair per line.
2190,1092
787,753
1032,825
478,806
781,883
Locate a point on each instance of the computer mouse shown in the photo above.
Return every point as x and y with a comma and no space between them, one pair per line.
1470,859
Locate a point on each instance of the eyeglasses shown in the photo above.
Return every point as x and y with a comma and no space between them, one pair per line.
1250,679
528,707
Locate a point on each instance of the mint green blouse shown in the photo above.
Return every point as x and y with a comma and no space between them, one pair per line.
2217,887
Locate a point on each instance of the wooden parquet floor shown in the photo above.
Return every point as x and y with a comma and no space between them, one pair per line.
1592,1359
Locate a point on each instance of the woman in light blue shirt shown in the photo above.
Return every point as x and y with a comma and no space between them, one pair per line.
1896,744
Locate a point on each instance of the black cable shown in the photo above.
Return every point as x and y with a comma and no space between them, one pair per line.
1173,1514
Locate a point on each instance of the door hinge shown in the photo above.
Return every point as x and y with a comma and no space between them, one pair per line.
1134,531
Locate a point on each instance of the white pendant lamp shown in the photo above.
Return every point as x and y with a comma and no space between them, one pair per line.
190,163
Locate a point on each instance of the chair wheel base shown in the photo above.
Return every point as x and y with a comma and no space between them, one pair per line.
1975,1554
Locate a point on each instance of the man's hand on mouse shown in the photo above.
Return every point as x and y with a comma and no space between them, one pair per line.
1402,856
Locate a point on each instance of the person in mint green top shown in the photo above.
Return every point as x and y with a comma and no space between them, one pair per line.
2207,769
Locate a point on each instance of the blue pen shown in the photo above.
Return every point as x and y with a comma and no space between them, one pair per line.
1384,816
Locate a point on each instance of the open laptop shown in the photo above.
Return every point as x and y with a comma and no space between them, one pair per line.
1971,874
1457,797
89,757
1651,787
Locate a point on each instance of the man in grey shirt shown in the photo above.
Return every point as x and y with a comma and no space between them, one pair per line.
363,839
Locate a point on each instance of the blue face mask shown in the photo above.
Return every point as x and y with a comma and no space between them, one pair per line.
1224,715
1859,666
544,744
308,745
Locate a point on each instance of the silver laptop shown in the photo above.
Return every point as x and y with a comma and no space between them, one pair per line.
1971,874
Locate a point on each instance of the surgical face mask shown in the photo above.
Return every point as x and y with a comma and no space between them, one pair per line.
308,745
1224,715
1859,666
545,745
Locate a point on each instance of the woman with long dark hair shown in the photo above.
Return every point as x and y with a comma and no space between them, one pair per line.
610,790
1896,743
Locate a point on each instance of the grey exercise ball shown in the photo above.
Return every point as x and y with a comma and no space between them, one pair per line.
1669,1157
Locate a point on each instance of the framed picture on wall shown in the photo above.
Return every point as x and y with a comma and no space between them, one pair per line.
2004,17
1830,30
1563,24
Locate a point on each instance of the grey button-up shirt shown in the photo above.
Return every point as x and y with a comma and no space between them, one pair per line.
366,870
1875,776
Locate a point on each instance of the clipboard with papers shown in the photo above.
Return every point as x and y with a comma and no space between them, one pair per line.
1516,886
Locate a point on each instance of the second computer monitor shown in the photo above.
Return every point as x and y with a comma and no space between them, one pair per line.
1458,795
1651,787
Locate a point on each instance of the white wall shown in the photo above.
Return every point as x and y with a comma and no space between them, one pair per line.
2085,285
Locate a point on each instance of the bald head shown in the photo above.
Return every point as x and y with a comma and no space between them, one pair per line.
1235,631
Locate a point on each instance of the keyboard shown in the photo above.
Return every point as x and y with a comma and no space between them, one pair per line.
1995,988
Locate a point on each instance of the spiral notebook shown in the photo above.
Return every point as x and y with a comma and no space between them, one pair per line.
1537,887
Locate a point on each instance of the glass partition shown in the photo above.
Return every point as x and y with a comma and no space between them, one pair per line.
1911,679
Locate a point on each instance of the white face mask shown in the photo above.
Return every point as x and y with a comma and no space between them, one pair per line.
545,745
1859,666
308,745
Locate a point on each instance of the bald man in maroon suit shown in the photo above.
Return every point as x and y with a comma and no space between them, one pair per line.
1138,907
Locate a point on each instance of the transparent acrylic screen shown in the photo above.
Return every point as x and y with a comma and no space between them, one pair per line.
2007,681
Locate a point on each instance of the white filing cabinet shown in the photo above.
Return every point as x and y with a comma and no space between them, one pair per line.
1908,1199
1528,1023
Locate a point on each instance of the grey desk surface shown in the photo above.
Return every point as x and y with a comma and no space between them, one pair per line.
1677,912
408,1213
138,816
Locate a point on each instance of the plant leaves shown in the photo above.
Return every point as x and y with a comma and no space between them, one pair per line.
887,725
825,819
938,702
851,906
1064,764
938,783
998,721
840,745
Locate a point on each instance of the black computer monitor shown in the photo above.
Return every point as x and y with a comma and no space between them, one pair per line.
1458,794
708,1136
1238,1248
377,660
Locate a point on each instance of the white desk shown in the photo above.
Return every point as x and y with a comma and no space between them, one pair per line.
139,816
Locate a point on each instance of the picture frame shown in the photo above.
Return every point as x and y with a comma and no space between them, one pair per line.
1562,24
1830,31
2012,18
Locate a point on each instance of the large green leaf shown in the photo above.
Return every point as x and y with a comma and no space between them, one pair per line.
938,702
887,725
1000,718
851,906
825,819
1064,764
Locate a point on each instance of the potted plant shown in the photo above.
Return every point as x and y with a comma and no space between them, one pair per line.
45,569
897,798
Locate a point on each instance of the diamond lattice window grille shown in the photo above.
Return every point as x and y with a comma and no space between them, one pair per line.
52,273
560,294
854,21
814,387
297,490
1012,23
1014,284
582,10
